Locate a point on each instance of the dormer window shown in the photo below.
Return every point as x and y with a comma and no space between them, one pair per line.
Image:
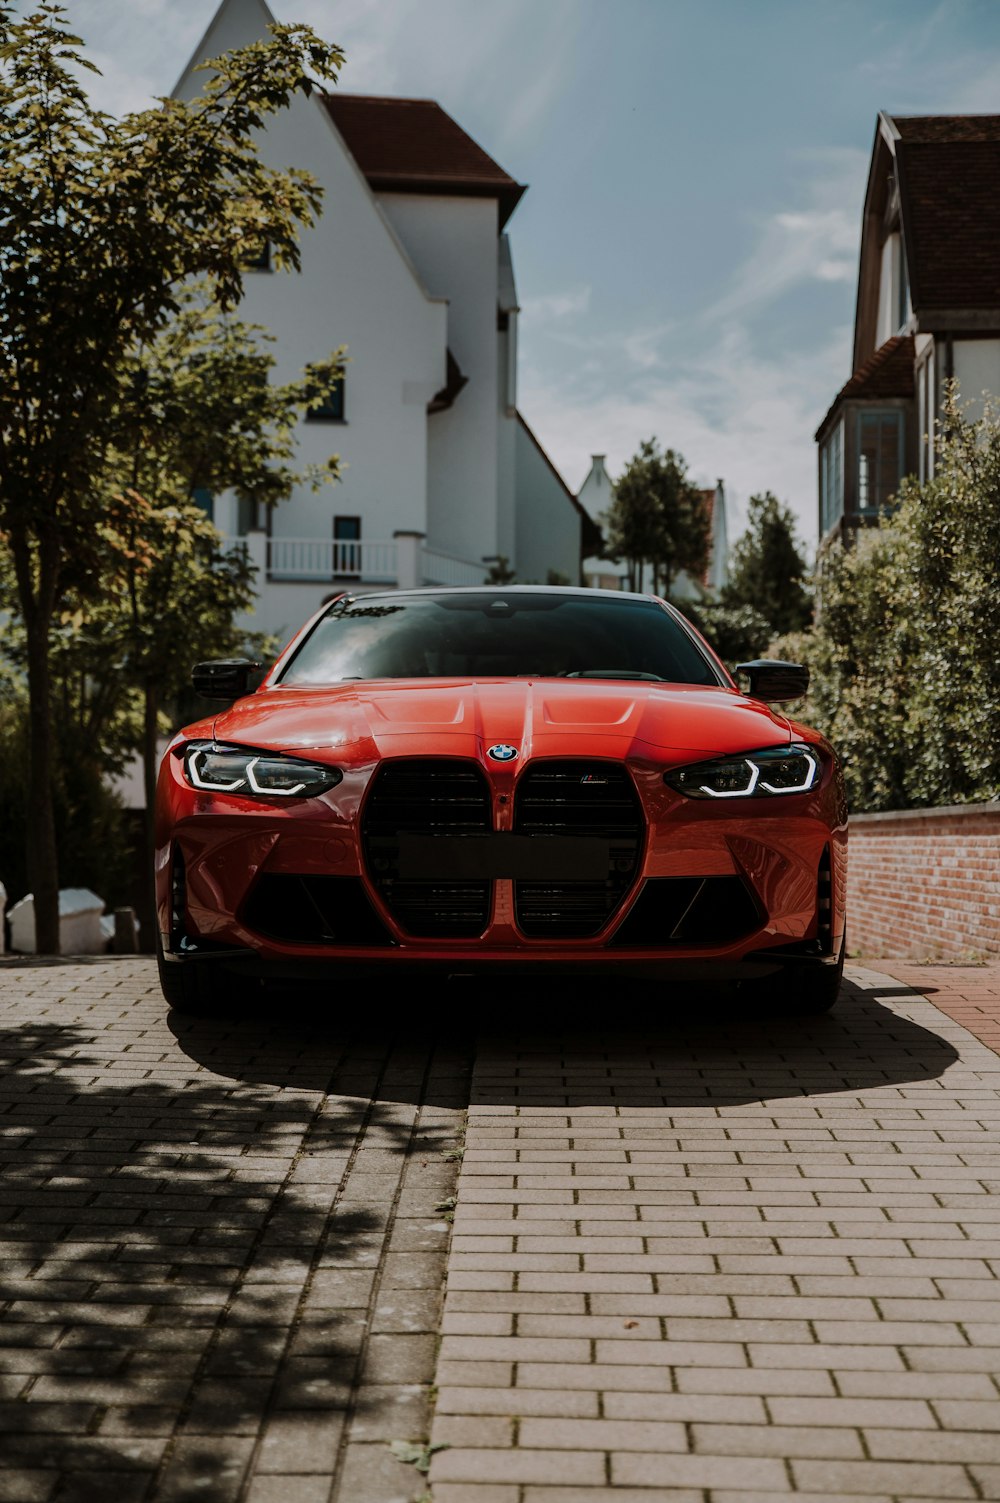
902,289
894,288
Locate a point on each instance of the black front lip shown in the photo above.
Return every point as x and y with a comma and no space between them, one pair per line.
248,962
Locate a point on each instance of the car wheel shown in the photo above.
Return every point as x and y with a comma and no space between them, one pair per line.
198,990
804,990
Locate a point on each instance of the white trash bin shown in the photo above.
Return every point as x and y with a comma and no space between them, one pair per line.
80,931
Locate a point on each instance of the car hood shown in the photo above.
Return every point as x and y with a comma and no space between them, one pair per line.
424,717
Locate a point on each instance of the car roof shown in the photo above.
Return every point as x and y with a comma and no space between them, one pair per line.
570,591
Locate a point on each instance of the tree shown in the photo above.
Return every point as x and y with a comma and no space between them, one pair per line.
207,419
767,570
102,221
500,571
905,672
736,632
657,518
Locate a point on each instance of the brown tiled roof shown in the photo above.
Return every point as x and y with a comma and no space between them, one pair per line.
887,373
414,146
931,129
948,168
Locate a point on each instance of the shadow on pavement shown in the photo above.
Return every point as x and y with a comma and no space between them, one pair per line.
154,1244
151,1270
550,1045
699,1050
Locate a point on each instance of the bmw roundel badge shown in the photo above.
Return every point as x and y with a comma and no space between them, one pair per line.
502,752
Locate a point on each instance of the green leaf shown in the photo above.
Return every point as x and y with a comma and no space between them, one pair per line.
416,1453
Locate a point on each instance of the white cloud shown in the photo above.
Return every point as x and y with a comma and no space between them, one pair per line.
836,271
485,71
730,411
644,348
815,242
538,89
978,93
556,305
704,384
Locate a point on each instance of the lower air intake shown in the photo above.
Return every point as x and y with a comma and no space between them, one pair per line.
690,911
313,911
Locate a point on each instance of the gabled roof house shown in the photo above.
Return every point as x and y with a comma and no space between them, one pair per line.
410,267
596,495
928,309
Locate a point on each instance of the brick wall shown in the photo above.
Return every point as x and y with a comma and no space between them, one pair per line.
925,883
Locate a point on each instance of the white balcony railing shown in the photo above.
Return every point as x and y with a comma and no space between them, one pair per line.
403,562
320,559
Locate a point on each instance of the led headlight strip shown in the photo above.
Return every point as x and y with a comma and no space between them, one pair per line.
214,768
771,772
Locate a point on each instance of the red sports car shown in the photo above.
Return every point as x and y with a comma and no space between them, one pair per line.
517,780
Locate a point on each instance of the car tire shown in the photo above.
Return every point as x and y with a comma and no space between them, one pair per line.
800,990
198,990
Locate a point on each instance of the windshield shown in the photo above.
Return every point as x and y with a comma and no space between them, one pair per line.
498,635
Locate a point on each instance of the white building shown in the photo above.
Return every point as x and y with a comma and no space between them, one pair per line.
410,268
596,495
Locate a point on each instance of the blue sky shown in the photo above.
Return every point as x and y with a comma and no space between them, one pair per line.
686,253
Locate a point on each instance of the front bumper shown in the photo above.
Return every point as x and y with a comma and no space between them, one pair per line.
229,850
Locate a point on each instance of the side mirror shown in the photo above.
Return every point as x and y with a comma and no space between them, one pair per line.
774,681
223,678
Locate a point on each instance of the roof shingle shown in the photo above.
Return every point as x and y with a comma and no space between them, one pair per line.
414,146
948,167
887,373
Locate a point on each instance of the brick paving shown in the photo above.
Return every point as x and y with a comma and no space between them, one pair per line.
968,993
726,1259
220,1262
696,1255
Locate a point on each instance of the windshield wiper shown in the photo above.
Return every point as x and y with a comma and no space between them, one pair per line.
653,678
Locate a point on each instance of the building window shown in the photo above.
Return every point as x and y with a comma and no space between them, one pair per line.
202,497
328,408
831,479
347,546
880,459
903,285
247,516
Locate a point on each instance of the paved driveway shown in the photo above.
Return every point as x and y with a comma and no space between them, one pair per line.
220,1256
695,1256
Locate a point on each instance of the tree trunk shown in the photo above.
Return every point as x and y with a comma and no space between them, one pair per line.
42,857
147,913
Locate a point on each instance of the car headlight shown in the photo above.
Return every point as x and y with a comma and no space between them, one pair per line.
251,774
756,774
